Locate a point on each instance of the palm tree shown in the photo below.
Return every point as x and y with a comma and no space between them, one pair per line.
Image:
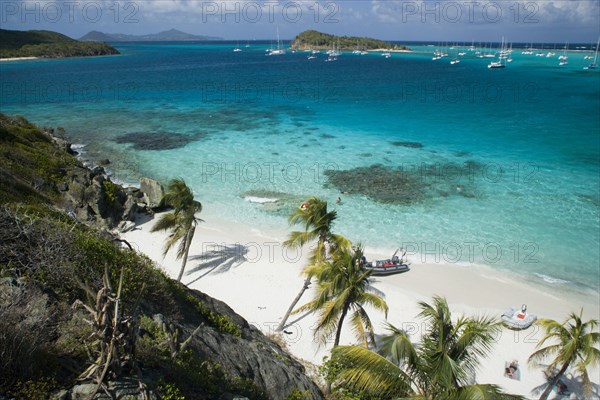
344,287
441,367
317,223
181,222
575,345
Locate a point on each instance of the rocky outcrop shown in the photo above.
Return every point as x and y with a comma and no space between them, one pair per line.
153,192
91,197
125,388
57,266
252,355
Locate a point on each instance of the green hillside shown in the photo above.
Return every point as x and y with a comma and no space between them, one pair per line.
48,44
12,40
79,313
317,40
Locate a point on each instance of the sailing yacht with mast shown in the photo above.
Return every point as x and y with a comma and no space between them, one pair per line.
564,59
455,60
590,56
499,64
528,50
594,65
279,51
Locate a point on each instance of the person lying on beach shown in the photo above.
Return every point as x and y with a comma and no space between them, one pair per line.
561,388
511,370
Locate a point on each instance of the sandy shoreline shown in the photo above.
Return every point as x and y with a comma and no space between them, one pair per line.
249,270
389,51
18,58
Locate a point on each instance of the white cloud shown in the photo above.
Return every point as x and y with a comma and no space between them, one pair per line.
544,12
568,11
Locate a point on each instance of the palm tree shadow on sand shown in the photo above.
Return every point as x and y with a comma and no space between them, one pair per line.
219,259
574,387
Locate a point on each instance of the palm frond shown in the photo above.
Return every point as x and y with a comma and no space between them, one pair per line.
166,222
298,239
482,392
328,321
175,236
186,241
314,270
368,371
339,242
375,301
311,306
539,355
180,197
476,337
359,328
398,346
366,320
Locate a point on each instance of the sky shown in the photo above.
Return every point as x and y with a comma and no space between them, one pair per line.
574,21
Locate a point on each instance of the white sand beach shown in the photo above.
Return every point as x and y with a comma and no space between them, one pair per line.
389,51
250,271
18,58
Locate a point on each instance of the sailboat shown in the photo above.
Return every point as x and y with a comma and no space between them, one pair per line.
279,51
491,54
594,65
314,50
499,64
455,60
333,53
528,50
508,53
237,49
589,56
439,54
564,59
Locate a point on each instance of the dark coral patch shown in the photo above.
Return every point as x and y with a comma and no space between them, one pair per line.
412,145
157,140
409,184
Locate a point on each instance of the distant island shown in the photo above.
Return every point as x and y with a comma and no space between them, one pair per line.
47,44
171,35
312,39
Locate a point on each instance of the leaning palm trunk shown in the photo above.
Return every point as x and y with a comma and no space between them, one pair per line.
293,305
554,381
188,243
338,332
305,286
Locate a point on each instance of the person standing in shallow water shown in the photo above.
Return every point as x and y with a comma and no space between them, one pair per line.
339,200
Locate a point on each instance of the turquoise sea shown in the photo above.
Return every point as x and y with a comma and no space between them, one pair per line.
456,163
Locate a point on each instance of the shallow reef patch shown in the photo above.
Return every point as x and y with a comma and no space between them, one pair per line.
407,184
411,145
157,140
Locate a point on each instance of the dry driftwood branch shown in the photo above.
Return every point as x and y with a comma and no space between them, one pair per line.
115,335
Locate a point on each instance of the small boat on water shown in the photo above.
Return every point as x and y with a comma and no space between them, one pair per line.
279,51
594,65
386,267
518,319
394,265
